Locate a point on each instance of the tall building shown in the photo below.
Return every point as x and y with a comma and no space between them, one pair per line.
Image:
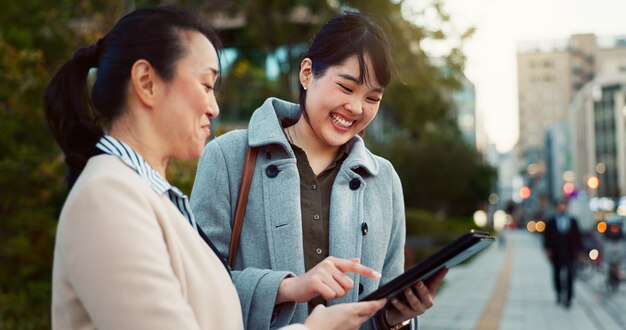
550,73
598,111
572,119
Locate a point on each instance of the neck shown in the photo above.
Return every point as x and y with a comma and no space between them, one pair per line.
319,154
143,140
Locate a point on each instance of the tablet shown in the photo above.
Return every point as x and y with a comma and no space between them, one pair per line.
449,256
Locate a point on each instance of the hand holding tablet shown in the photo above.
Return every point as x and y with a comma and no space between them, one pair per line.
449,256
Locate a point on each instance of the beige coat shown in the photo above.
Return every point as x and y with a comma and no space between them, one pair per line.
125,258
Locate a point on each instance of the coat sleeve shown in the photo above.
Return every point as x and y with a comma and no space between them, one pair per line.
211,204
116,260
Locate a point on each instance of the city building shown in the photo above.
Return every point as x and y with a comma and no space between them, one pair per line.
571,115
550,73
599,144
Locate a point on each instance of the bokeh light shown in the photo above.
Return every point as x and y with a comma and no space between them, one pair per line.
493,199
568,188
531,226
601,226
594,254
480,218
540,226
569,176
524,192
499,220
593,182
600,168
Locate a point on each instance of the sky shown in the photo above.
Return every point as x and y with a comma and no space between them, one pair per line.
491,52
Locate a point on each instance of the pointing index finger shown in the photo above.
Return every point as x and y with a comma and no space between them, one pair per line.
353,266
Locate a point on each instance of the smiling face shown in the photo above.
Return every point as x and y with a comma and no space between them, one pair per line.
188,102
337,105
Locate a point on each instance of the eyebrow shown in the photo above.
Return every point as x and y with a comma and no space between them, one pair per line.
354,79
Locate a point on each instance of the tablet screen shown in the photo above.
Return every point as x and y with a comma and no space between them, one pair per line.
449,256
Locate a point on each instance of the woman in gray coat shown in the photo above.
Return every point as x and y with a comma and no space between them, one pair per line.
319,199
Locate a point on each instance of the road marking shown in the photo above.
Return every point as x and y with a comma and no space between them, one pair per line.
490,318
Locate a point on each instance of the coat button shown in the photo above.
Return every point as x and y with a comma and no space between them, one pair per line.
360,288
271,171
355,184
364,228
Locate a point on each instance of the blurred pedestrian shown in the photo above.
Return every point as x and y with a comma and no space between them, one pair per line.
128,254
318,196
563,245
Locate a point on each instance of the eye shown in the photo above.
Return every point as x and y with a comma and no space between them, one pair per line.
345,88
207,87
373,99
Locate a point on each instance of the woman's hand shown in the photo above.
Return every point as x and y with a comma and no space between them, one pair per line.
342,316
419,299
327,279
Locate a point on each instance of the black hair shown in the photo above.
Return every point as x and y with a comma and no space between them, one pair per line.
75,116
346,35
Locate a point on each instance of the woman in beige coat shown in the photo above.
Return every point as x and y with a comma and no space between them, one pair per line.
128,254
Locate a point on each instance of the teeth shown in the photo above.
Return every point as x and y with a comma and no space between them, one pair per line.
340,121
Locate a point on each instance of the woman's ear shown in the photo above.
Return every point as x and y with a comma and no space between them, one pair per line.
144,81
306,71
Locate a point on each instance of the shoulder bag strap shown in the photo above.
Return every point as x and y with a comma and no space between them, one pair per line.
242,201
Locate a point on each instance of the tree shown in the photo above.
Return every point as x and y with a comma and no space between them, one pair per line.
34,38
440,173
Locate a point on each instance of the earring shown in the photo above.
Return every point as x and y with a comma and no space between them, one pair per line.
304,87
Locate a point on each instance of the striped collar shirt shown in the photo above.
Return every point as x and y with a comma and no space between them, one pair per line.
125,153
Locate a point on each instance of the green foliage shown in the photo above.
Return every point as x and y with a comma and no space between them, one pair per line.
244,89
421,222
427,232
34,38
181,174
439,172
31,189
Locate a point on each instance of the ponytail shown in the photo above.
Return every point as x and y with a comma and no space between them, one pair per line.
71,115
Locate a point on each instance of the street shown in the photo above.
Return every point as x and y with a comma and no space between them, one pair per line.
509,286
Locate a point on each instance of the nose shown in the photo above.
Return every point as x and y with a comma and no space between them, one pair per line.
355,107
213,109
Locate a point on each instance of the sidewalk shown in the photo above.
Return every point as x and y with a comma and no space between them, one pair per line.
508,286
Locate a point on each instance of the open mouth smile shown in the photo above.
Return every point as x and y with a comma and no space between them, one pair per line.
340,121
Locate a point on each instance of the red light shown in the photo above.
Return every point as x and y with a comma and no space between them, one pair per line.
614,228
568,188
524,192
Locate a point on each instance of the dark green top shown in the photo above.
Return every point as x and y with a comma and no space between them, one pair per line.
315,204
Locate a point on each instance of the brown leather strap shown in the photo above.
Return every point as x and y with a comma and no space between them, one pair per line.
242,201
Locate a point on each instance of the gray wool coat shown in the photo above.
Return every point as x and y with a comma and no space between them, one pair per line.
366,190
